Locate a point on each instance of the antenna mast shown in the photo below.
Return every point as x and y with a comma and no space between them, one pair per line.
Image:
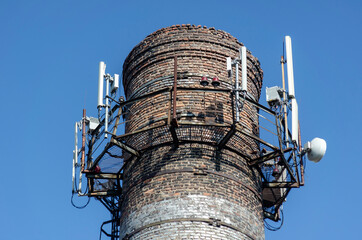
285,102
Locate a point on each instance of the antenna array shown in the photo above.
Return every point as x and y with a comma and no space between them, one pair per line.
281,167
241,60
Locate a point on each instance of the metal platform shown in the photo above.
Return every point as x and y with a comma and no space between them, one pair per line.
105,161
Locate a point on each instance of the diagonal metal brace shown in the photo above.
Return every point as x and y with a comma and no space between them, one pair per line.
227,137
173,127
280,185
103,175
125,147
268,156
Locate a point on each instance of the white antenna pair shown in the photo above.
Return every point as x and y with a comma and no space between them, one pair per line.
242,59
114,83
317,147
114,86
244,79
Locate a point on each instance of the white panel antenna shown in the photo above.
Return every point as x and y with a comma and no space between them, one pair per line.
295,125
228,63
244,76
228,66
115,84
102,72
288,48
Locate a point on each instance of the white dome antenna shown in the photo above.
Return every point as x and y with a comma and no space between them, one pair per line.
315,149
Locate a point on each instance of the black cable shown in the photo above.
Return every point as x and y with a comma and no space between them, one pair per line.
98,145
272,228
100,233
79,207
76,190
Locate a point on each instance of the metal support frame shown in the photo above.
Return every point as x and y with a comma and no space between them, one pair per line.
113,208
171,120
268,156
286,165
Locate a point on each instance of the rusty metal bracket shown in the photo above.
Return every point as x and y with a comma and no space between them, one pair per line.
215,222
125,147
227,137
268,156
280,185
103,175
102,193
274,217
173,127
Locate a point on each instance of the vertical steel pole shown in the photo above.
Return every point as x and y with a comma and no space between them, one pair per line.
117,120
107,107
284,105
82,160
237,91
301,158
174,87
83,140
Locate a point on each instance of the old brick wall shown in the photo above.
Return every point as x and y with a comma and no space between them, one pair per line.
193,191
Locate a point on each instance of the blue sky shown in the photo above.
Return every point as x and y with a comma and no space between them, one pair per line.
49,54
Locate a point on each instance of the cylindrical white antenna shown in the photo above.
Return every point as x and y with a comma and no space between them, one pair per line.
295,125
76,143
115,83
75,154
288,49
229,66
102,72
244,78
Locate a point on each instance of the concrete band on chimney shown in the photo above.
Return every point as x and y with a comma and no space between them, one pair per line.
194,191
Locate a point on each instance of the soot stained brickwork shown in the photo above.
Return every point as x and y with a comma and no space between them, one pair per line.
193,191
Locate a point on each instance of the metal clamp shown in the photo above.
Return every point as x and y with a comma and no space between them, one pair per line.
215,222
